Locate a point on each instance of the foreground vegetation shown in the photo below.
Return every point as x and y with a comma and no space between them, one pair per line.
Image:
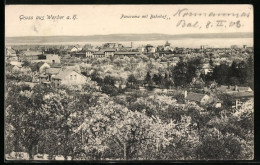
85,122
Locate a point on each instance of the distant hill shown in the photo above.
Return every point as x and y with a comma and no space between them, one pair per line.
122,37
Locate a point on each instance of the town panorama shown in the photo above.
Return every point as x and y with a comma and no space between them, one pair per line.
117,101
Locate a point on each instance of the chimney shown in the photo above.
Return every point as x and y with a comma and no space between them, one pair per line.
185,94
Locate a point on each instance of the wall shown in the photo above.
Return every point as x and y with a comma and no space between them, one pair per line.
78,80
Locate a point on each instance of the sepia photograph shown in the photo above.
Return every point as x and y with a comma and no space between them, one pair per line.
129,82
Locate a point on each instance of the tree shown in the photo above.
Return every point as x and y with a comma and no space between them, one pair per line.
211,61
220,74
250,71
227,147
65,113
132,81
228,100
25,114
194,66
179,73
242,72
156,79
26,64
148,79
108,80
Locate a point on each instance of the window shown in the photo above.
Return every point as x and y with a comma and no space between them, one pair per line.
70,77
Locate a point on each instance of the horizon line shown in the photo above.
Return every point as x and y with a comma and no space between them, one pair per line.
125,34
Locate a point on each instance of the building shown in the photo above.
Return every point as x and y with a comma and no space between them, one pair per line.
71,67
150,49
167,46
109,52
49,73
141,49
76,48
98,54
15,66
11,55
30,56
126,54
89,54
52,58
116,46
228,89
37,56
197,97
206,69
79,55
240,94
42,66
68,77
241,97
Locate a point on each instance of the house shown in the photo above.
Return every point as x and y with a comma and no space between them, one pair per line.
48,58
206,69
141,49
52,58
167,46
149,48
112,46
11,55
76,48
109,52
197,97
42,66
72,67
15,66
127,53
160,48
98,54
89,53
15,63
49,73
241,94
68,77
228,89
37,56
81,54
241,97
30,55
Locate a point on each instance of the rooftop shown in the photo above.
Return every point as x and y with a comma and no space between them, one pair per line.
226,88
62,74
245,94
126,53
32,53
195,96
53,71
99,53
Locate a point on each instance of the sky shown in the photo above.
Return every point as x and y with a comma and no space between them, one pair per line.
105,19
